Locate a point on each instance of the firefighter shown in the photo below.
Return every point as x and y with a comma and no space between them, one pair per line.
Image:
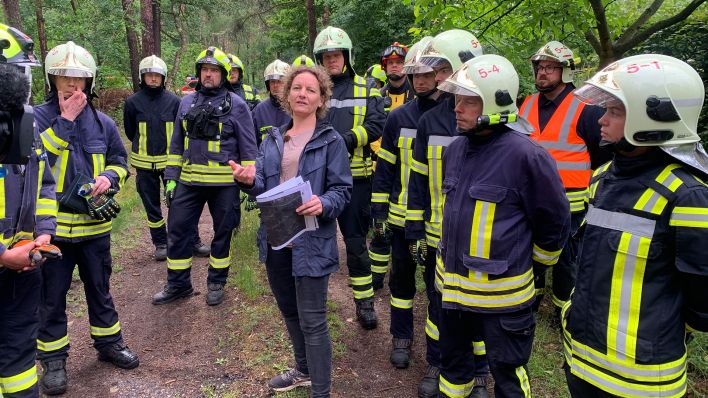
568,129
505,208
389,199
436,130
89,163
395,93
266,115
642,271
148,119
375,76
213,126
243,90
28,211
356,112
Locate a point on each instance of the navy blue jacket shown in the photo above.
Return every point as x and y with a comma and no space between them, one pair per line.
389,196
266,115
505,209
325,164
424,213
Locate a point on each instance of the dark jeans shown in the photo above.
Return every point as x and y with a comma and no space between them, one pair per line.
303,303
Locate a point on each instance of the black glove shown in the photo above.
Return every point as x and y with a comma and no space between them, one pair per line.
103,206
381,229
419,250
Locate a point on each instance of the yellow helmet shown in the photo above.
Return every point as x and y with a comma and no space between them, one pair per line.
214,56
16,47
303,60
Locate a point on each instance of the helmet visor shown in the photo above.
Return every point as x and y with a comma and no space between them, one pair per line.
274,76
69,72
434,61
455,88
593,95
152,70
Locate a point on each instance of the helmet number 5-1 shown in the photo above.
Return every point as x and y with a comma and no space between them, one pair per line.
634,68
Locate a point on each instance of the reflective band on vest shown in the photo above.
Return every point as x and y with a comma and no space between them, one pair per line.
561,140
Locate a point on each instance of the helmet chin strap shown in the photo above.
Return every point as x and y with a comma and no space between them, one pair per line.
546,89
620,146
395,78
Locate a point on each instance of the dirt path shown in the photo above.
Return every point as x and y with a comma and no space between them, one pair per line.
188,349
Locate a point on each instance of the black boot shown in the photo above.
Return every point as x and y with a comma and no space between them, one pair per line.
119,355
53,379
215,294
170,294
365,313
428,386
480,388
160,252
401,353
201,250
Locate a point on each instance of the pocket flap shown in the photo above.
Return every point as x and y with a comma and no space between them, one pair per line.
95,148
478,264
487,193
448,185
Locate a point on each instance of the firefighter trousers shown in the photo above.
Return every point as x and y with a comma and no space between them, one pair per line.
379,254
93,257
402,285
225,210
508,338
354,224
19,323
148,184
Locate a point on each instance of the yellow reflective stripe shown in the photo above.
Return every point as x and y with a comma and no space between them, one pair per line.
219,263
361,137
52,142
418,167
45,207
179,264
157,224
122,173
432,233
19,382
651,202
59,170
97,159
474,291
99,331
386,155
379,269
626,295
379,197
148,158
174,160
668,179
247,163
452,390
431,330
439,271
545,256
479,348
481,235
71,225
363,294
401,303
142,138
361,280
694,217
523,381
414,215
435,178
383,258
52,345
169,130
557,302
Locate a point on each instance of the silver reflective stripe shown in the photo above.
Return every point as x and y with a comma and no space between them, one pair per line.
623,222
487,300
347,103
631,392
473,287
441,140
573,165
481,227
627,369
568,120
409,133
563,146
529,104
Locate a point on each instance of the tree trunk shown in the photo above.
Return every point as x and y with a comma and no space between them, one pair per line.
148,36
42,33
132,37
156,27
12,13
311,23
178,10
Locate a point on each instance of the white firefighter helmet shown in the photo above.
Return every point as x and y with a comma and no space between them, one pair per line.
455,46
557,52
276,70
71,60
412,63
152,64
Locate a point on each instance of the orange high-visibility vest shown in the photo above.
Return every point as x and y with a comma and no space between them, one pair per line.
561,139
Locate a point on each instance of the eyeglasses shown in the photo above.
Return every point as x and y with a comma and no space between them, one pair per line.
547,68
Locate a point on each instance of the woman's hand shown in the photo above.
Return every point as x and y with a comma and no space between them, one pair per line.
312,207
243,175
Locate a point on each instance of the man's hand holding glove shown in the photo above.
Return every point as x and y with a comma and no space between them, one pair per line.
381,229
170,192
100,199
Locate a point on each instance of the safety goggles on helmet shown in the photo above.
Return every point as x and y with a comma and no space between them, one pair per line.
394,50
